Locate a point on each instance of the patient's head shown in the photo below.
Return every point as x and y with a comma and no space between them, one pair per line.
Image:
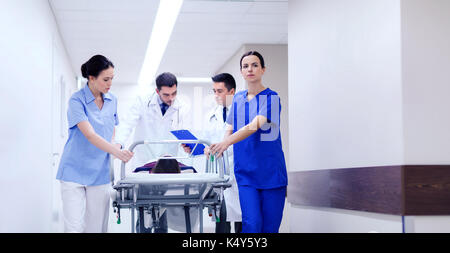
166,166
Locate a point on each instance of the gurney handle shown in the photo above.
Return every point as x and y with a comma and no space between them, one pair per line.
222,167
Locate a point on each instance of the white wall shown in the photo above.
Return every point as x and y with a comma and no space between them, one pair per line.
29,34
330,220
345,92
427,224
425,66
232,67
345,83
426,80
368,87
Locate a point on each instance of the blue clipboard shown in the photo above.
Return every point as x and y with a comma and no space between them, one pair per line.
187,135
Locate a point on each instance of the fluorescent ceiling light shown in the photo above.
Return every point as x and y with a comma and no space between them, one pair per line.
194,79
166,17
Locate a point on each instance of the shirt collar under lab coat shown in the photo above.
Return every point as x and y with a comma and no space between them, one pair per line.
156,100
89,97
218,111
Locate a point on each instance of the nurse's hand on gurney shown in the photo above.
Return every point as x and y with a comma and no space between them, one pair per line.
122,154
218,148
206,150
186,148
95,139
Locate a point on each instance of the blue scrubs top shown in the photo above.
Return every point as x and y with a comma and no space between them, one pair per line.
81,161
259,159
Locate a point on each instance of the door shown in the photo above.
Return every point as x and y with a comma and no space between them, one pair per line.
58,133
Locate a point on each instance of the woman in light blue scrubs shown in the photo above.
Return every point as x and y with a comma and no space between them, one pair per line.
253,128
84,167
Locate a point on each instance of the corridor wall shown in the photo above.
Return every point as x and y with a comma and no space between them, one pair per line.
367,87
33,62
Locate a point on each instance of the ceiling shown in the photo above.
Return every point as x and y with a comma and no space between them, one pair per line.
205,36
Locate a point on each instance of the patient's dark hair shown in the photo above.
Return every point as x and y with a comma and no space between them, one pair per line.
166,166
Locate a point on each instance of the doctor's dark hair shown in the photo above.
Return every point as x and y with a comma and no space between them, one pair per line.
95,65
166,79
255,53
227,79
166,166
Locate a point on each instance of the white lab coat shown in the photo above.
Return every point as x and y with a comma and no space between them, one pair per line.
214,130
145,117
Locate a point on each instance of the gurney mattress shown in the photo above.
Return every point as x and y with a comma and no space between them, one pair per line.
163,179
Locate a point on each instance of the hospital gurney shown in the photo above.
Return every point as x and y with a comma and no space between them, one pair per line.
153,193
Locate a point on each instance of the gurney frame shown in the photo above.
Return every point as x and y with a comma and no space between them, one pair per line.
210,192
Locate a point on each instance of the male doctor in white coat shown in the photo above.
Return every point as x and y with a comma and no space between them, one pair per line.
224,87
153,116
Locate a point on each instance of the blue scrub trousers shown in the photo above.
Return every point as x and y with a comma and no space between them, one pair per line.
262,209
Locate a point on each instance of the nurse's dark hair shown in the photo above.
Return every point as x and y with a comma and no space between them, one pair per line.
166,166
166,79
95,65
255,53
227,79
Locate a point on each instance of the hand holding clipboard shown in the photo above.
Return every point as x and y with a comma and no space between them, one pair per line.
187,135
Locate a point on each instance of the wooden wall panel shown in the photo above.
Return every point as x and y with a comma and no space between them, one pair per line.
427,189
398,190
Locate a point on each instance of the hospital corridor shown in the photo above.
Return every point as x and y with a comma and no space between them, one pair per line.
316,116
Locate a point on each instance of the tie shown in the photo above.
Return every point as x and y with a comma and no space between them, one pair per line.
224,114
164,107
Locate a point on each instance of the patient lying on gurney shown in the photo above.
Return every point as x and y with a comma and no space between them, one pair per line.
176,216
